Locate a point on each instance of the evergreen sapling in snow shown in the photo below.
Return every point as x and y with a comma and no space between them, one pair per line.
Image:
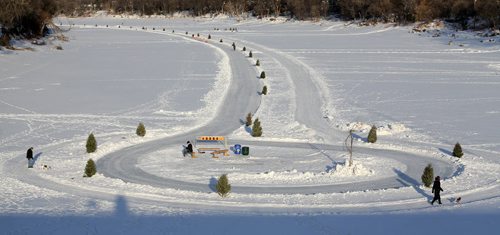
256,128
91,143
372,135
141,130
428,175
249,120
264,90
263,74
250,54
223,187
457,151
257,63
244,48
90,168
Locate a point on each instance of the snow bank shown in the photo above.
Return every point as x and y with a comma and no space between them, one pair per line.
357,169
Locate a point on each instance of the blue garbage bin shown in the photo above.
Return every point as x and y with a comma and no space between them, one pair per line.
237,148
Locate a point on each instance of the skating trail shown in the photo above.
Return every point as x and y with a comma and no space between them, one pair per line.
241,98
308,112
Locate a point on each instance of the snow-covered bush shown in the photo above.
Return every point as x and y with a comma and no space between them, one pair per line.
141,130
91,143
90,168
223,187
457,150
372,135
428,175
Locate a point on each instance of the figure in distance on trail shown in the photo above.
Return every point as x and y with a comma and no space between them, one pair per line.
436,189
29,156
188,149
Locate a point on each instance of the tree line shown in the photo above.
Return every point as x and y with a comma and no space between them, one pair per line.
399,11
28,17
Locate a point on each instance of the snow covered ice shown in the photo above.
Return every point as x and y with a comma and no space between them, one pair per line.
324,78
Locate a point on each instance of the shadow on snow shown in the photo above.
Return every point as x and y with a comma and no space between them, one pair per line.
122,221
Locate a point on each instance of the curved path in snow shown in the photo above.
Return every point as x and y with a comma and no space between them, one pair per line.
241,99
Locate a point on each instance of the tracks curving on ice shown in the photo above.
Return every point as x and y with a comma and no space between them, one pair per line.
240,98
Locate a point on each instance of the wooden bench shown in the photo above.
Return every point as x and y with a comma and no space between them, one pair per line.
203,150
214,151
225,152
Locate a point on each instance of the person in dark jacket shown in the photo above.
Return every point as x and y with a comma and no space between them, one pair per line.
436,189
189,148
29,156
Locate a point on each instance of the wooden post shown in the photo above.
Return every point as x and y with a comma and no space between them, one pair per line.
349,147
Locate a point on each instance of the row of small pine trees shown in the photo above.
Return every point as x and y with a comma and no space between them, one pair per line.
91,146
257,63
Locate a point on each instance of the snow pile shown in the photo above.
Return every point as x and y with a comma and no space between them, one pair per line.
344,170
383,129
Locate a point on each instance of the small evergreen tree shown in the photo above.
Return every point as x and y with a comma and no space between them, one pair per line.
256,128
141,130
372,135
457,151
187,33
428,175
223,187
257,63
220,40
209,37
263,74
249,120
244,48
250,54
90,168
91,143
264,90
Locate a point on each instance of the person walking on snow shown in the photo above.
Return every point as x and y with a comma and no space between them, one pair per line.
436,189
29,156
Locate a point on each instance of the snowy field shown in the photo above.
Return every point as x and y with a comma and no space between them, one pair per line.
424,94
